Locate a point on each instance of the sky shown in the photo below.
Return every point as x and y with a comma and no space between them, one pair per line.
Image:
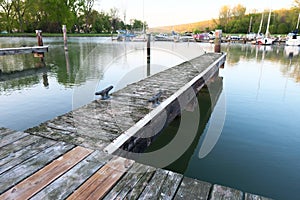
173,12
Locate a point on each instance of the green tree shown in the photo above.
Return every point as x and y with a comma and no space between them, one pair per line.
7,14
238,11
282,28
224,17
20,9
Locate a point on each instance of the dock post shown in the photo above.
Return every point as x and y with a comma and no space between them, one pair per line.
39,37
148,53
40,43
148,47
218,36
64,29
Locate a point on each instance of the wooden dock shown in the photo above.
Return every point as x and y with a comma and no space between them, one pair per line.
34,167
23,50
75,156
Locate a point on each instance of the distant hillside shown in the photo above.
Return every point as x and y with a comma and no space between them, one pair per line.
201,26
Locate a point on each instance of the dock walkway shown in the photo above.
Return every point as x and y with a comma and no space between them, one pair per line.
71,156
34,167
23,50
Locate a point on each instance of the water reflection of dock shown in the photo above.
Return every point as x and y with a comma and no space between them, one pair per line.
68,157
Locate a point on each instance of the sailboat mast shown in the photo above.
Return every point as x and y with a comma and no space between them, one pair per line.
268,25
143,16
298,22
250,25
261,22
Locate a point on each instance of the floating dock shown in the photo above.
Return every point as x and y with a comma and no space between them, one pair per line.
23,50
75,156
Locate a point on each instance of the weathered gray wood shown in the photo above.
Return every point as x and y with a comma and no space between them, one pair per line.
170,186
152,190
97,186
225,193
22,155
193,189
129,181
25,169
249,196
138,188
11,137
17,145
39,180
69,182
5,131
99,123
23,50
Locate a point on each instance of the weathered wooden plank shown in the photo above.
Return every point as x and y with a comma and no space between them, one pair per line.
249,196
31,185
32,165
138,188
102,181
192,189
129,181
225,193
17,145
152,189
11,137
67,183
170,186
23,50
5,131
22,155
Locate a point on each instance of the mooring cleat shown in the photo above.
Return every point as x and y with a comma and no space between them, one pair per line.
155,99
105,93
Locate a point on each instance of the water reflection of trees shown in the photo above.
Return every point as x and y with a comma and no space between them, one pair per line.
20,83
287,57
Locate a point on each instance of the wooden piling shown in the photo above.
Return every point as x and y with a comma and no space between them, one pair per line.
218,36
148,47
64,29
40,43
39,37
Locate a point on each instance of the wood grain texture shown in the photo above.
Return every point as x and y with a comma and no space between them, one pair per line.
102,181
31,185
65,185
249,196
193,189
129,181
32,165
225,193
11,137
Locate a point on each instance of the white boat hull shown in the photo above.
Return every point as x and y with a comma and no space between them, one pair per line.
265,41
293,41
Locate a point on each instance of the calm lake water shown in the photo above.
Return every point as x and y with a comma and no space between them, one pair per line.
258,148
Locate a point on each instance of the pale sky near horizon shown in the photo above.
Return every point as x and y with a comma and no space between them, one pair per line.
172,12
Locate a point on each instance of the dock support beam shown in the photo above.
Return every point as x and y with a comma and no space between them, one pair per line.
218,36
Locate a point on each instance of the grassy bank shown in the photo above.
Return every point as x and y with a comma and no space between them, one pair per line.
57,35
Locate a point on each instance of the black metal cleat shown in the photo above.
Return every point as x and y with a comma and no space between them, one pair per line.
155,99
104,93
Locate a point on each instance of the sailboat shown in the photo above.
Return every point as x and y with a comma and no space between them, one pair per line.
266,40
293,37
